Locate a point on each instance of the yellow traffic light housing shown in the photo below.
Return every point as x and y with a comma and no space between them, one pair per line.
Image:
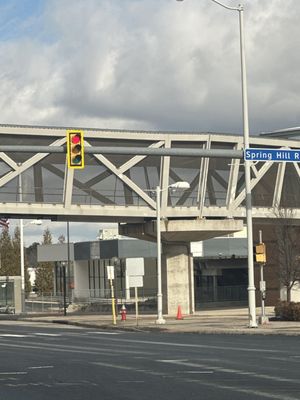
260,255
75,149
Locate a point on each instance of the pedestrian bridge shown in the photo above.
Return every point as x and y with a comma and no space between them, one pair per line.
119,188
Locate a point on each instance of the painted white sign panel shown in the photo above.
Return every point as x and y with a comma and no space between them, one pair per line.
110,272
136,281
135,267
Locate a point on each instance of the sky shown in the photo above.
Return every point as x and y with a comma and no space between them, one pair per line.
78,232
148,64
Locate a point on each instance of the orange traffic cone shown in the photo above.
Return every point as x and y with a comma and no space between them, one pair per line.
179,315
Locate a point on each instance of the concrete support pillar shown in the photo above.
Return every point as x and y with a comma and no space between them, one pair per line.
17,293
177,263
177,279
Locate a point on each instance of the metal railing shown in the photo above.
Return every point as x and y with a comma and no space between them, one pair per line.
123,296
44,303
89,300
120,197
208,294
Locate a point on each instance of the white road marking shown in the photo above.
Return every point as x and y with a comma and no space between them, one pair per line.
47,334
103,333
258,393
42,367
6,378
144,371
13,373
230,370
195,372
214,384
103,364
12,335
72,349
199,346
43,384
285,359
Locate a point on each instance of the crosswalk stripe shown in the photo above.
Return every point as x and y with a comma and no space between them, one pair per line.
47,334
103,333
12,335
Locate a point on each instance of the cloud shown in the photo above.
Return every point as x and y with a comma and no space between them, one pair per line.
144,64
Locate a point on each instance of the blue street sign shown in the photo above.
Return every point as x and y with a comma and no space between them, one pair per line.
278,155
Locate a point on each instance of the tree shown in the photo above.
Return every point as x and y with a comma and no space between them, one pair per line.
16,255
44,271
288,247
10,256
31,254
61,239
6,254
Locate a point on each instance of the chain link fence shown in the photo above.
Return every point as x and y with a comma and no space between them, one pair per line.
94,300
44,303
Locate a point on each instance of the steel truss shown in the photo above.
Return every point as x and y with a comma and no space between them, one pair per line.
120,187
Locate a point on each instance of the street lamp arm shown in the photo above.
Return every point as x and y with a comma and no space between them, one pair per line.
238,8
33,222
179,185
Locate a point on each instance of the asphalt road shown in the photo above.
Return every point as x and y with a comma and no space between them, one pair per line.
60,362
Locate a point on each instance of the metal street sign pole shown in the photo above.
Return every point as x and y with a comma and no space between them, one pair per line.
263,318
251,286
111,276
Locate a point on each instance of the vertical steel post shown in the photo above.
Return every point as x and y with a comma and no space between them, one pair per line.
22,248
251,287
113,304
160,319
263,319
68,252
64,289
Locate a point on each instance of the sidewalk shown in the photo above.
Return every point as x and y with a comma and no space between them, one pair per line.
227,321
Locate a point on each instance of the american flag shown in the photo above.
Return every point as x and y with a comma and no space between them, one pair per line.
4,222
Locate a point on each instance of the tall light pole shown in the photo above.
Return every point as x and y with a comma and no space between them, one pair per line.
251,287
176,185
22,258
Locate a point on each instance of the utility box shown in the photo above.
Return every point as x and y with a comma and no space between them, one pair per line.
10,294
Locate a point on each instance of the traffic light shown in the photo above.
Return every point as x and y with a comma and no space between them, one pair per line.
75,149
260,253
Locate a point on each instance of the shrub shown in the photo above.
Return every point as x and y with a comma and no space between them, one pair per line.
288,311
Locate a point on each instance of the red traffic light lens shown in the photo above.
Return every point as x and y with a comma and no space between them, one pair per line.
76,138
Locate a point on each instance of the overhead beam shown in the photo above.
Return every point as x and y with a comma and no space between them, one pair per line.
178,152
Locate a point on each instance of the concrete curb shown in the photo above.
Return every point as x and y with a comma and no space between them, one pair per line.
104,326
129,328
263,331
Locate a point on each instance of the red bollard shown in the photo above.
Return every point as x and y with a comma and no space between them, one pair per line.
123,313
